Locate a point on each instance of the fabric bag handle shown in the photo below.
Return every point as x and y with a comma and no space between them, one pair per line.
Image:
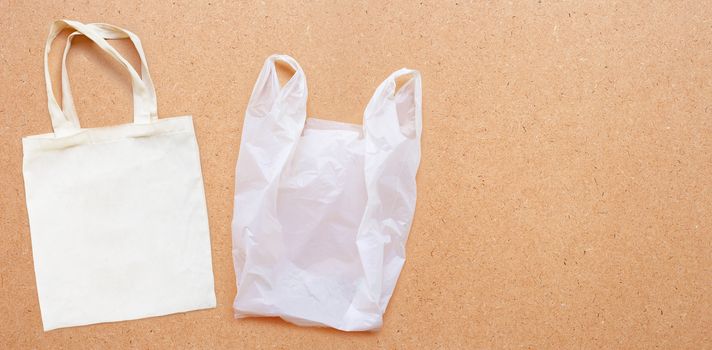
108,31
63,124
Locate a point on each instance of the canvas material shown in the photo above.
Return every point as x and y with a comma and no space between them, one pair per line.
118,218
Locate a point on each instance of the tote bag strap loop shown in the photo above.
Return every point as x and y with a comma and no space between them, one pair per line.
108,31
61,123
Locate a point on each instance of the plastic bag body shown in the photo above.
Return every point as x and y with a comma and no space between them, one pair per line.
323,208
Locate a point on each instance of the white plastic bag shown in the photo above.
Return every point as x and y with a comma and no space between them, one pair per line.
117,215
323,208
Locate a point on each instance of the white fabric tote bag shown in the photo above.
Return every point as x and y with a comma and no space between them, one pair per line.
323,208
117,215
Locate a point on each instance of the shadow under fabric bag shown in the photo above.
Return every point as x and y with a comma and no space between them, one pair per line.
323,208
117,215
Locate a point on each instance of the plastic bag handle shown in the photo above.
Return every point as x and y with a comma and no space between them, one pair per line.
270,99
108,31
268,77
417,94
386,93
61,123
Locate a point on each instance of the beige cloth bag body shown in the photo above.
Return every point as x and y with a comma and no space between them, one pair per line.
118,218
322,208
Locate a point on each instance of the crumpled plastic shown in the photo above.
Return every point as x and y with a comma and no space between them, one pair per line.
322,208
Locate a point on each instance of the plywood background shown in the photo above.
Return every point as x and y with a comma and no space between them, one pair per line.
565,189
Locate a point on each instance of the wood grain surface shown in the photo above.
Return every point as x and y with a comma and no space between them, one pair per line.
565,189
